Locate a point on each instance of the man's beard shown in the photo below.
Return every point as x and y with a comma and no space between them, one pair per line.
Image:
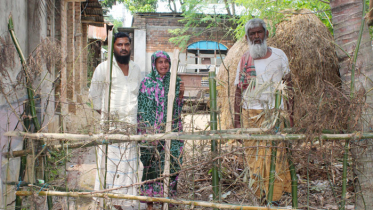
258,50
122,59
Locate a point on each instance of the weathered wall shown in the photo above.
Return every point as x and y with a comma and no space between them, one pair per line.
12,95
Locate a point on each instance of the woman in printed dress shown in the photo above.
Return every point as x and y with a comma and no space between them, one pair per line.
152,117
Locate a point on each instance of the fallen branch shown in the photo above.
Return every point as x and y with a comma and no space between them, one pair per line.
145,198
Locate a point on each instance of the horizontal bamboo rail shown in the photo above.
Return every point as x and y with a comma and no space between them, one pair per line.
54,187
144,198
104,138
99,139
84,144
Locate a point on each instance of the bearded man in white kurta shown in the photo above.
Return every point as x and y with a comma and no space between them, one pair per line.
259,73
122,158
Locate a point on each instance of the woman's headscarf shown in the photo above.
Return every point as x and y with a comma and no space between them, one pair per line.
153,96
159,54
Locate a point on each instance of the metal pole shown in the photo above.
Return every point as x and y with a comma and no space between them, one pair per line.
213,126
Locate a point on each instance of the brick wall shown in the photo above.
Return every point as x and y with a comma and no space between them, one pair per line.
157,35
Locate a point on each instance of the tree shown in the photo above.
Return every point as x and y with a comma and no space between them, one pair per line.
348,22
134,5
116,22
276,11
195,14
199,18
172,5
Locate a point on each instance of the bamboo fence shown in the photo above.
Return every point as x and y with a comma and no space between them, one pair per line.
81,140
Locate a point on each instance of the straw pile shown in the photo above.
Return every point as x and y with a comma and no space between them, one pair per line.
312,59
226,88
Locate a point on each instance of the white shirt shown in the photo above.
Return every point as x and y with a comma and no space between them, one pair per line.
124,90
269,73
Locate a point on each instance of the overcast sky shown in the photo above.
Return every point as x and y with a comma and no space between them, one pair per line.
118,11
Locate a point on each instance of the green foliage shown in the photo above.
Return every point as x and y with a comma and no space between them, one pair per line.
134,5
116,22
141,5
197,16
108,3
172,5
55,163
277,11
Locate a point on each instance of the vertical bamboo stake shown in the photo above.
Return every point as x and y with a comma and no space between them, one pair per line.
213,126
170,104
272,170
23,164
294,179
352,92
108,93
30,91
344,175
105,110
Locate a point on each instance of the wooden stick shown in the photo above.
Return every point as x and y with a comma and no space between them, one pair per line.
104,138
145,198
170,108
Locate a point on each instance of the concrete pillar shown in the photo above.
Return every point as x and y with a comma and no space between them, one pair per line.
63,38
140,50
77,53
83,76
70,88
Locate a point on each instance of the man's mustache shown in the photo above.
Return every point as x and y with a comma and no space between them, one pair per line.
253,42
123,51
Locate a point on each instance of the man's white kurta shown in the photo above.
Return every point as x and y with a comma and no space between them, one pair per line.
122,163
269,74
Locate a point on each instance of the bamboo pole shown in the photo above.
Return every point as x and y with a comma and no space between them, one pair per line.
30,94
26,184
106,107
23,164
294,179
103,138
344,175
170,108
272,170
30,90
145,198
213,126
20,153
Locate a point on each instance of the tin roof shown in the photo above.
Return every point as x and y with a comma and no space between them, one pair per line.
206,45
92,13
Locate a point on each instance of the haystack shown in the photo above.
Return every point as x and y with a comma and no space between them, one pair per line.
309,46
226,77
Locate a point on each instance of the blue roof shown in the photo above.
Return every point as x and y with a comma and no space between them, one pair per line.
206,45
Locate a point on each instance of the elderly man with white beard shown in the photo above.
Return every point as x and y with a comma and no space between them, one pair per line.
259,73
